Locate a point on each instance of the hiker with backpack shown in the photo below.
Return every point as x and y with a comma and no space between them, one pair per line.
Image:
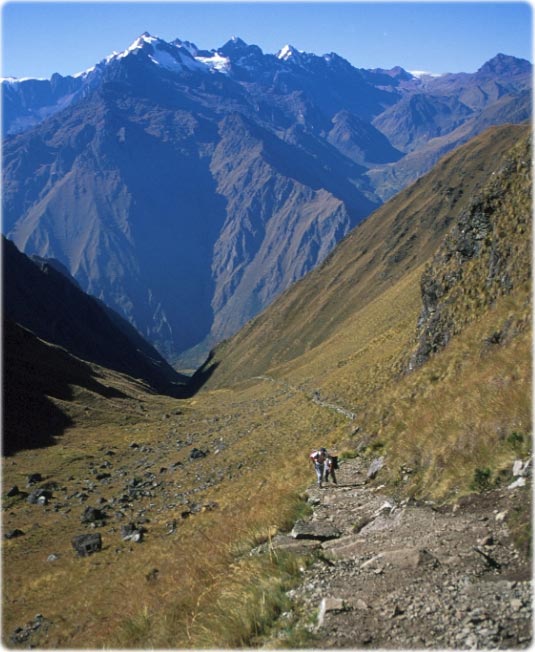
331,464
318,459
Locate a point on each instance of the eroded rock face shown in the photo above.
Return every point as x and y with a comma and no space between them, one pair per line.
477,263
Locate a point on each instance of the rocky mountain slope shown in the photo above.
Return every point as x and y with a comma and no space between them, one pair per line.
188,188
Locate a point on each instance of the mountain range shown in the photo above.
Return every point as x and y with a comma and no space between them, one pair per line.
186,189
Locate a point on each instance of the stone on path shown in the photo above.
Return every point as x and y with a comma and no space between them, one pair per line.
350,548
315,530
330,605
405,558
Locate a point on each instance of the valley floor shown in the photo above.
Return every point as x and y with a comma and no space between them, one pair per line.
394,574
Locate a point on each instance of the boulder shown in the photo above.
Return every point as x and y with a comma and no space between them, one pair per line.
87,544
92,514
315,530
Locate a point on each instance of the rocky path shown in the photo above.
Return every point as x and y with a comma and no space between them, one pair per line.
406,575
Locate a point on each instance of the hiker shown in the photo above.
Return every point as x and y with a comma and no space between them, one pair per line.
318,458
331,464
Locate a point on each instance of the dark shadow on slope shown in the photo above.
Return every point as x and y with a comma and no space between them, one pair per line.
203,374
33,373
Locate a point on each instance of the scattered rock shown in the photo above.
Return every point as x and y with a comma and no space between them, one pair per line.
349,550
131,532
171,527
197,454
28,634
518,466
33,478
13,534
92,515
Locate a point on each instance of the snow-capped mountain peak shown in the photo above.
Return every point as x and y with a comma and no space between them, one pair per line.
176,56
288,52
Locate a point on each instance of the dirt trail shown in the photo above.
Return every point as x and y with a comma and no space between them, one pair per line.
406,575
314,397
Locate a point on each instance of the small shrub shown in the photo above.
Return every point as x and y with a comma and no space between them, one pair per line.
516,441
481,480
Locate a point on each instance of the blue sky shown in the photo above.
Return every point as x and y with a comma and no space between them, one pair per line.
40,38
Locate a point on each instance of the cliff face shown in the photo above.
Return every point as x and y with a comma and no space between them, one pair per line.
486,255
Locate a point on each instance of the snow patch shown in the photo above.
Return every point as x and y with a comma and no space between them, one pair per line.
424,73
16,80
215,62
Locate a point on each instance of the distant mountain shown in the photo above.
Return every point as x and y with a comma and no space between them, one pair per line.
188,188
40,296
